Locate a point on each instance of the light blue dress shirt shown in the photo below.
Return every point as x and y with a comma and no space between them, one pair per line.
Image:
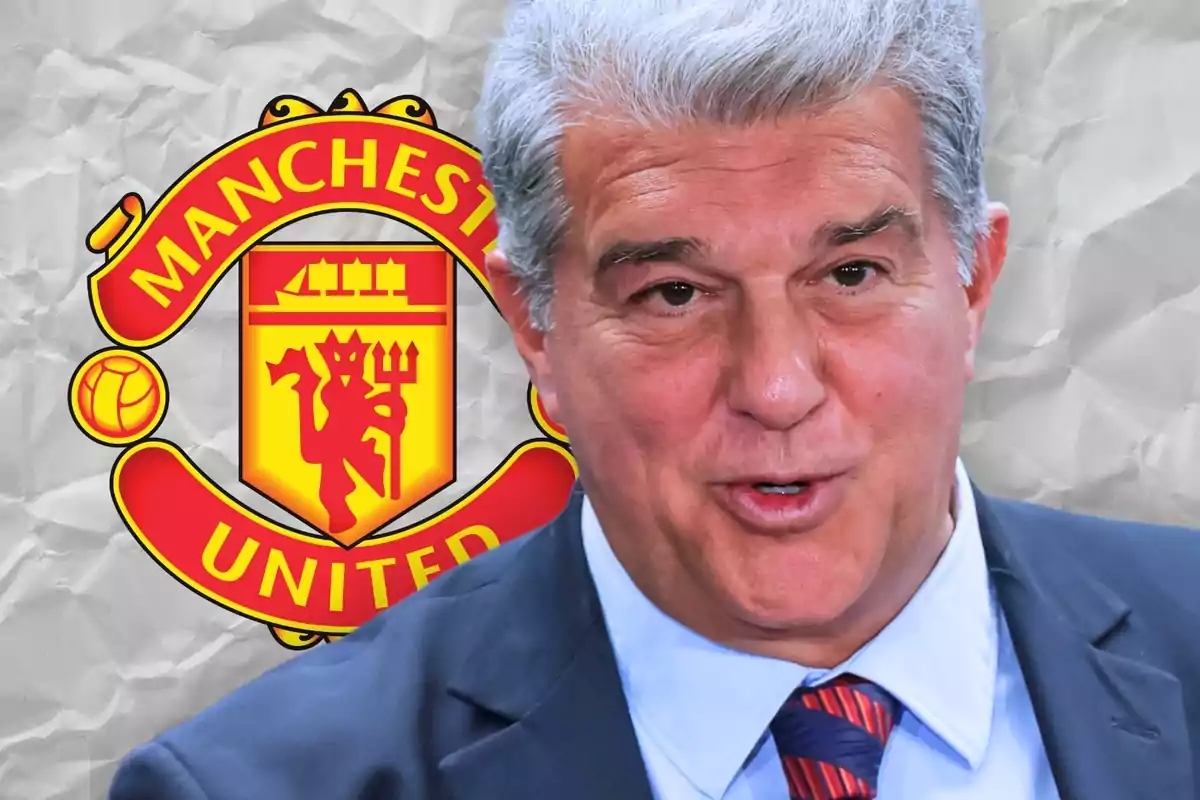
701,711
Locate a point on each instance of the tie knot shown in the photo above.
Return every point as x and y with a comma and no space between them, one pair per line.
831,738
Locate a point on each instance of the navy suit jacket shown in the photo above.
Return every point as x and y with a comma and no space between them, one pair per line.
498,680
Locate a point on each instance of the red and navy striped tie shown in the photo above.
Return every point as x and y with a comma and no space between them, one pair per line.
831,739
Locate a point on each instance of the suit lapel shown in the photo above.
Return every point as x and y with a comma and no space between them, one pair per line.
1113,726
543,667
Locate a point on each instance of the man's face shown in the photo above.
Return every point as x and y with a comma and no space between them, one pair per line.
759,349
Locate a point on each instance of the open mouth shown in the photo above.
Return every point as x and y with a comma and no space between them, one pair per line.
778,504
781,488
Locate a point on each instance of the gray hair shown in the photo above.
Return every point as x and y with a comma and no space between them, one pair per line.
660,62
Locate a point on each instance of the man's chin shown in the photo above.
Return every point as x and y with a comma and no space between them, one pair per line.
794,622
822,606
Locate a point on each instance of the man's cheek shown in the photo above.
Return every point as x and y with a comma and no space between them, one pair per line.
920,405
667,404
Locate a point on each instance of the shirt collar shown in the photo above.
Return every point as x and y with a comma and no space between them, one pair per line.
937,657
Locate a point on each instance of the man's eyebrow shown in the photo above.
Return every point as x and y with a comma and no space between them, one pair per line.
834,234
679,249
839,234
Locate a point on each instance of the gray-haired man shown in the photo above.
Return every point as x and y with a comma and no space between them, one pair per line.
746,254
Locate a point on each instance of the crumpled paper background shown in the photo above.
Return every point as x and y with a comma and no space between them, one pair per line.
1086,395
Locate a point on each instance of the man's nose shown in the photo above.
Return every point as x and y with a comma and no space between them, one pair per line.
775,374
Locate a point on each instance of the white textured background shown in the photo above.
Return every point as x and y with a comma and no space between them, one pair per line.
1087,395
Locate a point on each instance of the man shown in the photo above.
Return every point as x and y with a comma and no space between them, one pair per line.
746,256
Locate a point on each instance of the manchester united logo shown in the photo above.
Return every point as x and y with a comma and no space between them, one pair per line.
347,375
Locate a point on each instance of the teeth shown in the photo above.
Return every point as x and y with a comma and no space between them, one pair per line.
772,488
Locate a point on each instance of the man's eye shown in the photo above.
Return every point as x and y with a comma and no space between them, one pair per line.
675,294
854,274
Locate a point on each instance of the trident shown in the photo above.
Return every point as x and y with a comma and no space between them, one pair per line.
389,374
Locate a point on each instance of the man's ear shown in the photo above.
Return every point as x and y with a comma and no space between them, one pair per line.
991,248
531,343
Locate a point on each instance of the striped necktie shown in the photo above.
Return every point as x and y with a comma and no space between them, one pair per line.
831,739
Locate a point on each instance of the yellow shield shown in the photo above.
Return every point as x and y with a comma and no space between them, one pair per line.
347,380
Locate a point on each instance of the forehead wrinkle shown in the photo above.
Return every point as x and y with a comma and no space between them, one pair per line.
649,169
700,152
642,181
662,170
